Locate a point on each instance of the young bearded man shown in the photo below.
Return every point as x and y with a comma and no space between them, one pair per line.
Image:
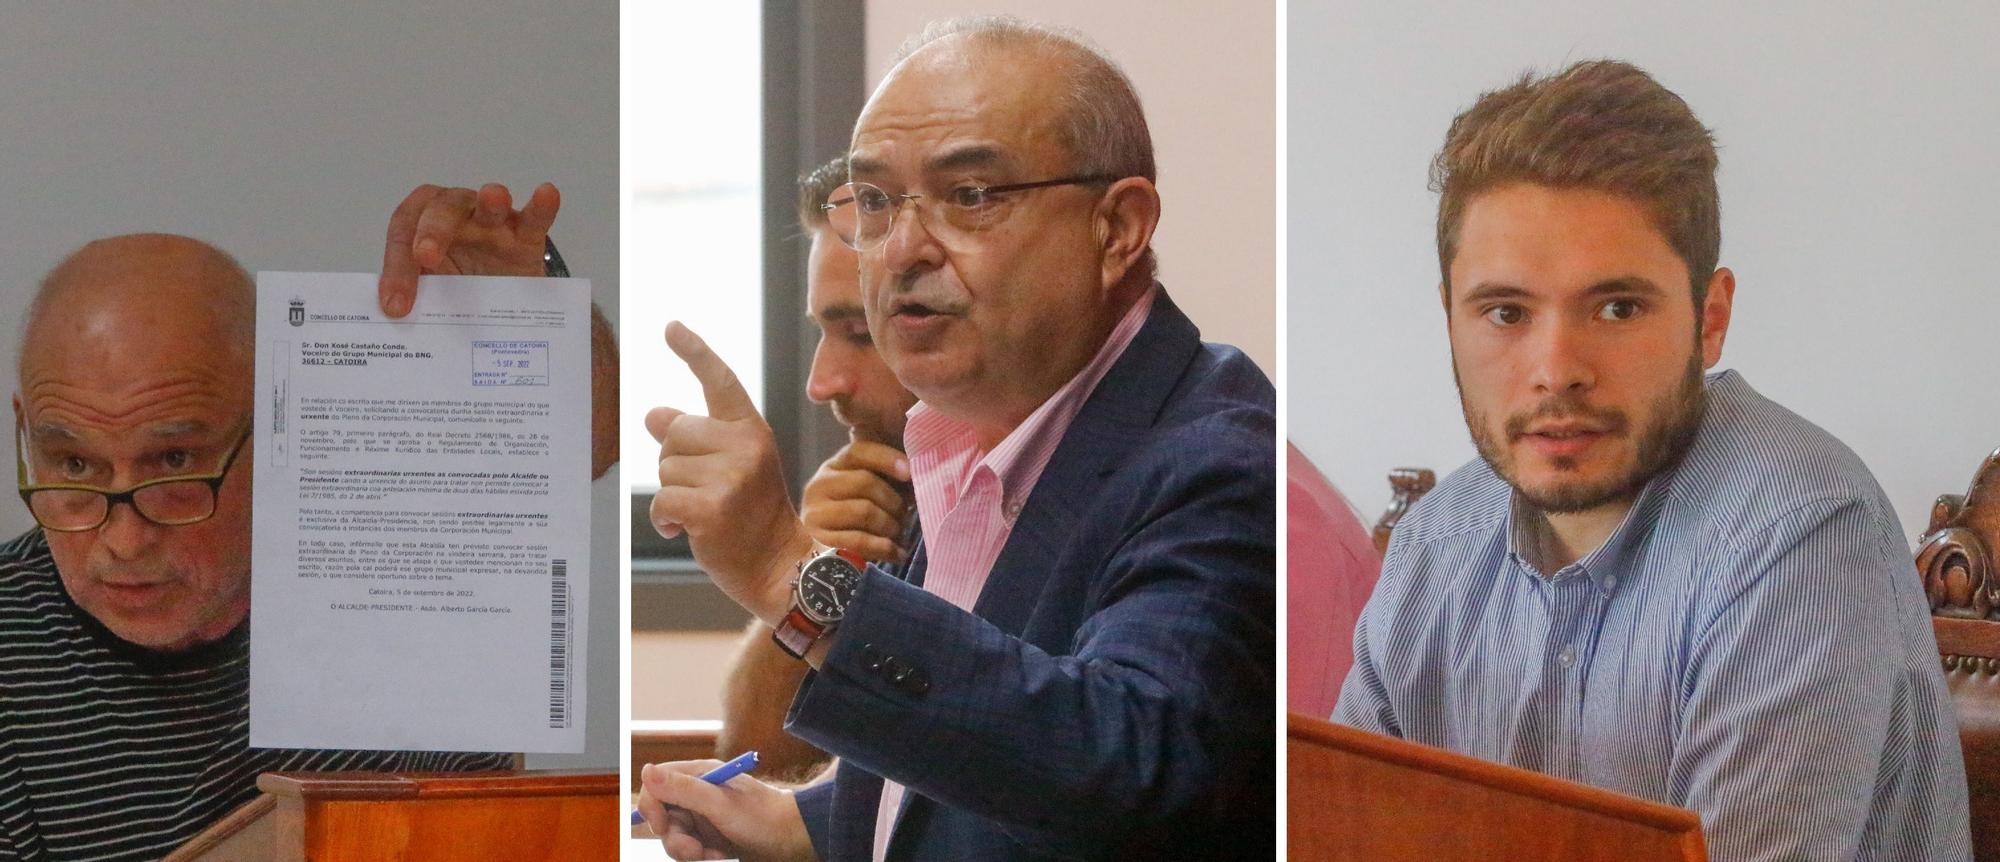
1651,581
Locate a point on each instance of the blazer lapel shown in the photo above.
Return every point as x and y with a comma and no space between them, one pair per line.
1126,403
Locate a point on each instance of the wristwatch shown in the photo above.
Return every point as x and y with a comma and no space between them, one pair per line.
819,599
552,262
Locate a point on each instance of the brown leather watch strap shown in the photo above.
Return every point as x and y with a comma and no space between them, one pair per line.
796,634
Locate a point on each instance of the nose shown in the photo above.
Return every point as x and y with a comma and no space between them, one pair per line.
126,535
829,377
910,245
1561,362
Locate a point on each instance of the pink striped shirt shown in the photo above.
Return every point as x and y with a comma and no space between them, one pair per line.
967,499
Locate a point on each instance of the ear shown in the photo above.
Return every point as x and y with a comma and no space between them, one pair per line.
1125,220
1715,315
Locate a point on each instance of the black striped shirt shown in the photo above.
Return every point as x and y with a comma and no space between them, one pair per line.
109,751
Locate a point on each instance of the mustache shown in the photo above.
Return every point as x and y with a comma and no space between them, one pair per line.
1568,408
133,573
920,287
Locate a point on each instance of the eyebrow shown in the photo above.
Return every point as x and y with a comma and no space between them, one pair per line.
862,165
970,155
967,156
1488,290
52,430
1620,286
169,430
1624,285
176,428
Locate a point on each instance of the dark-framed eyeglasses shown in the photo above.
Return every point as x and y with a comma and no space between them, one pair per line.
169,501
862,214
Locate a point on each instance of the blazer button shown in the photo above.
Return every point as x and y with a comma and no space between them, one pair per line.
911,680
871,658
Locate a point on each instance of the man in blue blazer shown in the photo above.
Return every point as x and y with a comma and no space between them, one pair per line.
1082,664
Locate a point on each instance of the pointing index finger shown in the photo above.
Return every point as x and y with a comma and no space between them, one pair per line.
719,387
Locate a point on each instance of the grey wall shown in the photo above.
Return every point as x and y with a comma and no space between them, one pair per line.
1859,185
286,132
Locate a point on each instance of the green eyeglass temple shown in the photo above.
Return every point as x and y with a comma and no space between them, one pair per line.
212,482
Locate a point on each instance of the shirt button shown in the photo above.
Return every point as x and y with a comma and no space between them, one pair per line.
1567,657
1013,511
1611,582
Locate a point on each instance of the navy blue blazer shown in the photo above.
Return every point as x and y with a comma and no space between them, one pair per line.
1113,693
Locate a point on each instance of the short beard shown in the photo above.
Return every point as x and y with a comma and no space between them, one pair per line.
1661,444
869,424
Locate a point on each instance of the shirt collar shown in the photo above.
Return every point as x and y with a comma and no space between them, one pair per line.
1017,460
1609,564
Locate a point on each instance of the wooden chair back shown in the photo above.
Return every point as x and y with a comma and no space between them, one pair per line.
1955,558
1408,484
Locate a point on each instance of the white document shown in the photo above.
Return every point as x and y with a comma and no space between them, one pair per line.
422,515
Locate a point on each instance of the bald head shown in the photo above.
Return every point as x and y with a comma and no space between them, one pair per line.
137,365
1089,107
169,292
1095,112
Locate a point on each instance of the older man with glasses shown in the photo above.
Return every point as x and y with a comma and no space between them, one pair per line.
1081,662
124,664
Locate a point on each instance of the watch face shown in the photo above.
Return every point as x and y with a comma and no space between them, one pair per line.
825,585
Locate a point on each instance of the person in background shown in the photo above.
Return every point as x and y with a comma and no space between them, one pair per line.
860,498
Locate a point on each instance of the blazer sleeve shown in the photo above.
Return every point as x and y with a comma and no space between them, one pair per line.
1153,727
816,809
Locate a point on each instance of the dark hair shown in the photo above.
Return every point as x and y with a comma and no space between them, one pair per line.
814,186
1599,124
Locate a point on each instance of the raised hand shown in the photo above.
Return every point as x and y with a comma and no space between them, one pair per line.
720,483
441,231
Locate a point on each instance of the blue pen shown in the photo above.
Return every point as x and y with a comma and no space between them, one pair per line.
742,763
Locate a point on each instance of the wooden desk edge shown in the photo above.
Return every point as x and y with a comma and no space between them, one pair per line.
1495,775
222,830
437,785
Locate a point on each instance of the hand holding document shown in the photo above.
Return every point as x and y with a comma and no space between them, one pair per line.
441,231
422,515
719,481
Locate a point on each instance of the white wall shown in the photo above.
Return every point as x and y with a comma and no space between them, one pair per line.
1206,75
1860,200
286,132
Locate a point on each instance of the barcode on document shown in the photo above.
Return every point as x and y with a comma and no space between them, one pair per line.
559,642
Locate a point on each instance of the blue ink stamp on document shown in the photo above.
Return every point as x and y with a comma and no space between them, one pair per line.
510,363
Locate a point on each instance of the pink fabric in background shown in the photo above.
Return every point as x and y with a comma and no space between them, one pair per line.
1331,570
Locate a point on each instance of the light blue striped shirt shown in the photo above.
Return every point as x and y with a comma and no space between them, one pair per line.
1752,643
